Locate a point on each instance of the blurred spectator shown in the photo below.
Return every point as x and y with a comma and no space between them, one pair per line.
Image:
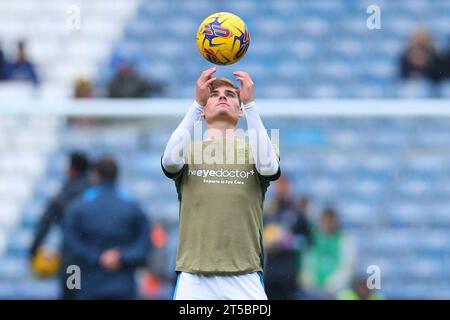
329,262
3,64
420,60
109,237
127,83
160,280
302,231
22,69
359,291
83,89
445,63
286,233
75,184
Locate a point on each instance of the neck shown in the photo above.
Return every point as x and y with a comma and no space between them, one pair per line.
220,130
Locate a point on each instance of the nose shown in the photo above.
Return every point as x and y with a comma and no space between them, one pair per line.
222,96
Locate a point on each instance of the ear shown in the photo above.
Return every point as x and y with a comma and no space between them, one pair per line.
241,112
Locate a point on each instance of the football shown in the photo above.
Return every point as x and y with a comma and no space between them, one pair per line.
223,38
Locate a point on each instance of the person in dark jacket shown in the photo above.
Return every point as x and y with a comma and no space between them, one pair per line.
77,182
108,236
287,234
3,64
128,83
420,59
444,67
22,69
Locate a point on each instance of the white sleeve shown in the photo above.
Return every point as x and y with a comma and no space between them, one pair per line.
264,155
173,159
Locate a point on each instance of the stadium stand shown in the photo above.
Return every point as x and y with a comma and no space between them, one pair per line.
389,184
62,54
388,178
318,49
298,48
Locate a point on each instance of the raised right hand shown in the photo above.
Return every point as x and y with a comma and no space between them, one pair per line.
202,89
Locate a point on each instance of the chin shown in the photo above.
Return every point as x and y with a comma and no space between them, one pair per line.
223,113
224,116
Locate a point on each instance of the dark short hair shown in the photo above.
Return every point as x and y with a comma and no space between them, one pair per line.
218,82
79,162
107,169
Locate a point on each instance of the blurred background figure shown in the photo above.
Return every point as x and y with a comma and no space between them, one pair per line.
3,64
76,183
445,62
328,265
303,234
22,69
108,236
83,89
359,291
420,59
286,234
127,83
161,278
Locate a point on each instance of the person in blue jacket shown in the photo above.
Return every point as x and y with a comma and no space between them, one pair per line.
22,69
108,236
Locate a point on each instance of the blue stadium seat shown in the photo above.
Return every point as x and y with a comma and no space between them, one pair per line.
414,89
358,213
445,89
13,268
406,214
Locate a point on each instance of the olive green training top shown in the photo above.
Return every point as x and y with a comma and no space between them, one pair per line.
221,209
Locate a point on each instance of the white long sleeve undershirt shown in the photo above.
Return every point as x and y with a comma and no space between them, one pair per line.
174,155
264,155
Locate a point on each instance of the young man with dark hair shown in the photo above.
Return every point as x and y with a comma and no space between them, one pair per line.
220,251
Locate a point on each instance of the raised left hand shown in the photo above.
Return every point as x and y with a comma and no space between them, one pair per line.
247,86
